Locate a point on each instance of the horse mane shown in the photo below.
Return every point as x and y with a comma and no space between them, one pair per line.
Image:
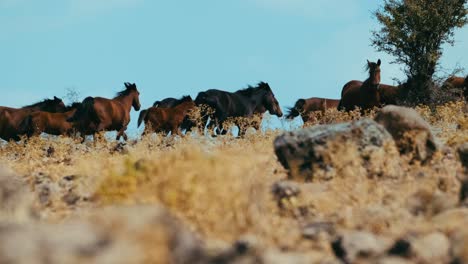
129,87
250,89
185,98
74,105
45,101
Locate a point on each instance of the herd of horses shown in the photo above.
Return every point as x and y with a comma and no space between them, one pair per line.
216,107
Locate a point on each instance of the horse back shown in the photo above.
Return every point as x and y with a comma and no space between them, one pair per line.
350,97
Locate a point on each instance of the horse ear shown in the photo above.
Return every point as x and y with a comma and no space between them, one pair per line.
55,98
126,84
379,62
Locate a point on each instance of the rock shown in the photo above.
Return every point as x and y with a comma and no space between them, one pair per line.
463,154
325,151
355,245
432,248
16,202
412,134
460,247
314,230
139,234
451,220
285,190
402,248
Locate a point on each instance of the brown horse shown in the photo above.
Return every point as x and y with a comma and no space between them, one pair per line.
158,119
304,107
101,114
11,118
51,123
454,82
364,95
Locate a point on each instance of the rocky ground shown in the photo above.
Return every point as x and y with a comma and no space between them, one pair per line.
388,187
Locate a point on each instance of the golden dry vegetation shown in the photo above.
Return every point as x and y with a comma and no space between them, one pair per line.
221,188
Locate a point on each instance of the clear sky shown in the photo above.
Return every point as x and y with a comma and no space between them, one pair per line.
302,48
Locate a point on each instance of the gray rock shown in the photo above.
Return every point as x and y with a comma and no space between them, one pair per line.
325,151
431,248
16,202
138,234
352,246
412,134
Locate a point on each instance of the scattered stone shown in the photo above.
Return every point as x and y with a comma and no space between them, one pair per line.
432,248
16,201
412,134
314,230
353,246
325,151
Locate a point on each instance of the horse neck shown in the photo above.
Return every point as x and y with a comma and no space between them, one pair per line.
126,101
185,106
255,97
374,78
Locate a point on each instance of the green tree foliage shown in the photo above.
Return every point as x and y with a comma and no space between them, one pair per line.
414,31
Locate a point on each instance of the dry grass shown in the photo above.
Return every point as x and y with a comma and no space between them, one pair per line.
221,187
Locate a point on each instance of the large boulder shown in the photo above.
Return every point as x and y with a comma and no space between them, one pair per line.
325,151
138,234
412,134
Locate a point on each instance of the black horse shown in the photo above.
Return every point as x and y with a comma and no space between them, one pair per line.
243,103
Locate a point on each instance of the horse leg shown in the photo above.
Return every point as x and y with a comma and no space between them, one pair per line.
121,133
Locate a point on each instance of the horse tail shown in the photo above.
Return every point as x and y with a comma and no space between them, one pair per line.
84,110
141,117
296,110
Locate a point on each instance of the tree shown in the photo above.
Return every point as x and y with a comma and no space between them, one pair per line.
413,31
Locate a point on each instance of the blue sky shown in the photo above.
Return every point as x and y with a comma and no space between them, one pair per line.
302,48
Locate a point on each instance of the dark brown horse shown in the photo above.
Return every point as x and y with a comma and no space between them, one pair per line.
364,95
465,89
243,103
101,114
168,102
11,118
165,120
304,107
50,123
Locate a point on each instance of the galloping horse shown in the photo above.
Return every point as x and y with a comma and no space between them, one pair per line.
364,95
51,123
304,107
11,118
101,114
169,119
168,102
243,103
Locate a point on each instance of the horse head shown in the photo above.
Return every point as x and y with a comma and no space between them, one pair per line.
374,72
133,91
269,100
